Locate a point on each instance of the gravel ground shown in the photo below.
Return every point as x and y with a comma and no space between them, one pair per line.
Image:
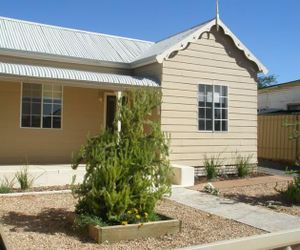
261,195
39,222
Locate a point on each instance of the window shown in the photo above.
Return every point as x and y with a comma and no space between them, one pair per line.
212,108
41,106
293,107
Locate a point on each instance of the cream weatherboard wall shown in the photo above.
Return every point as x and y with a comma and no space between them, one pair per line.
82,115
213,59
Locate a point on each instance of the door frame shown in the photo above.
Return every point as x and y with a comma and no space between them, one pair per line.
106,94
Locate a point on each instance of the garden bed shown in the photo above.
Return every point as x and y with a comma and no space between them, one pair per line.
40,222
257,193
203,179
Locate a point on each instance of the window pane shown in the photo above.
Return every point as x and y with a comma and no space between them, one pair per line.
47,95
36,108
201,113
25,108
56,95
209,113
56,110
209,94
201,125
201,104
47,109
25,121
224,125
26,99
36,100
209,125
217,125
57,101
36,93
224,102
218,114
57,88
224,113
47,122
56,122
202,89
47,88
35,121
217,93
47,100
224,91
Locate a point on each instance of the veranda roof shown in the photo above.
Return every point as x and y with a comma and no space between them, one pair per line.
53,73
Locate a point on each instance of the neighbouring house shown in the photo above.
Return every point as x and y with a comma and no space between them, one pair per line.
280,97
59,85
278,105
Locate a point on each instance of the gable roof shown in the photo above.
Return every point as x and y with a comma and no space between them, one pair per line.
164,48
44,41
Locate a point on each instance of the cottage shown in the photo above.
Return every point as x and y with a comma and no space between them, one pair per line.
280,97
59,85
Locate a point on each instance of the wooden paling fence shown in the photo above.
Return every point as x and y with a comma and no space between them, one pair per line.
273,137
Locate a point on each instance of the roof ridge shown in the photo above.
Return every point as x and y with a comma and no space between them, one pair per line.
72,29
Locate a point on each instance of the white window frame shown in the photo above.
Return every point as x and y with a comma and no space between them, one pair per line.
42,105
213,108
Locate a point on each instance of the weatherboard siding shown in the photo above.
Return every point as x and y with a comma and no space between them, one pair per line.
209,60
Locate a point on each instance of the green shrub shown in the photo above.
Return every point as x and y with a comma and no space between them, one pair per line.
243,165
24,179
6,186
211,166
292,193
209,188
126,170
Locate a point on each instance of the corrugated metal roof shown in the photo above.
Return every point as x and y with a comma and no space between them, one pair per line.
22,36
167,43
40,38
10,69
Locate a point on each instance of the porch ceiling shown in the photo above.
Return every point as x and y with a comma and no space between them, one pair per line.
53,73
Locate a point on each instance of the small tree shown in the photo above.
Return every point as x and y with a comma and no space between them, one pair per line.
292,193
265,81
125,170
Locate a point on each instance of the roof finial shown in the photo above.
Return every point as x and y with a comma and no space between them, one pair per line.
217,14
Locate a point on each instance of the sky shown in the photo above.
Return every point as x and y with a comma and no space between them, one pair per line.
269,28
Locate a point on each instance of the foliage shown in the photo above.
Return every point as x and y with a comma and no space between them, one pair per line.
83,220
209,188
243,165
211,166
292,193
24,179
126,170
6,186
265,81
133,216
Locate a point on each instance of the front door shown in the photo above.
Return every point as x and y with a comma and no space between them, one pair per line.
111,104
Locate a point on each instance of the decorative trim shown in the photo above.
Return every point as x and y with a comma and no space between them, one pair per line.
206,28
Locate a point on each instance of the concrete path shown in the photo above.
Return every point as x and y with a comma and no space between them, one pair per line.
255,216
